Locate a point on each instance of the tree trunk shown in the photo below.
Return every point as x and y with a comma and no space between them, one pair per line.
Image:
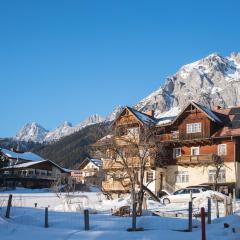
134,213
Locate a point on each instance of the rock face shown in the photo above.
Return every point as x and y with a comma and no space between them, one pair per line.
32,132
214,80
61,131
89,121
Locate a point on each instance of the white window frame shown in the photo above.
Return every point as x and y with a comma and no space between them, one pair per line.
212,175
194,127
175,154
198,150
220,153
182,177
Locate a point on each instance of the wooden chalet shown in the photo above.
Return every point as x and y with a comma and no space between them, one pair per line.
127,127
188,146
30,170
194,139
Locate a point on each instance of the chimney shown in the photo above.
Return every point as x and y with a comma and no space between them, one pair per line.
150,113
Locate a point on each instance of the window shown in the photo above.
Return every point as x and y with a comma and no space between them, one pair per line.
176,152
195,190
181,191
222,149
149,176
194,151
194,128
133,132
182,177
221,177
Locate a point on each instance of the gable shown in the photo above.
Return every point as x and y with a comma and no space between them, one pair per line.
126,117
197,110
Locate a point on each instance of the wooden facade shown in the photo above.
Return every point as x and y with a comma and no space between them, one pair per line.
197,135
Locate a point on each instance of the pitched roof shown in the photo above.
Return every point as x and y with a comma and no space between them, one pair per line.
24,165
232,122
142,117
28,156
213,116
32,163
96,162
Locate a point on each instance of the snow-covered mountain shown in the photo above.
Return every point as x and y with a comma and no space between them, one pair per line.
89,121
36,133
213,80
61,131
114,113
32,132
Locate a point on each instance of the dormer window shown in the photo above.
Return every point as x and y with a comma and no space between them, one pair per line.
194,128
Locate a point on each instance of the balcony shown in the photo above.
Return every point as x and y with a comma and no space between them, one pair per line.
28,176
168,136
115,186
195,159
126,140
116,164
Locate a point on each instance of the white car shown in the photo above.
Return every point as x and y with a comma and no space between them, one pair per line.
183,195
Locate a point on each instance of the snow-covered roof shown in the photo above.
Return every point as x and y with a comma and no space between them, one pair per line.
32,163
144,118
24,165
97,162
168,117
211,114
204,109
29,156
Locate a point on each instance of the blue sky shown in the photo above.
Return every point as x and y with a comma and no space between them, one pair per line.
65,60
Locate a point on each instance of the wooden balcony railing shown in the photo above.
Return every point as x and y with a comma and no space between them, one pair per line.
116,164
168,136
181,136
126,140
192,136
115,186
203,158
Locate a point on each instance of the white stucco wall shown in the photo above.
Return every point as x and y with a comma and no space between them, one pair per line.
198,174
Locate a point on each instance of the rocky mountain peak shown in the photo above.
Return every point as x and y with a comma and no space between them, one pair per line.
32,132
213,80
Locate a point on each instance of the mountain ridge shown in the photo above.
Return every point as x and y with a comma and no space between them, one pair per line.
213,80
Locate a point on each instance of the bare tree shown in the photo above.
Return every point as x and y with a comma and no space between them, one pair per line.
218,162
131,150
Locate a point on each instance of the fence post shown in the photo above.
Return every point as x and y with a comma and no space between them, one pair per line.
190,216
217,209
230,206
86,219
46,218
134,217
9,206
234,200
203,226
225,206
209,211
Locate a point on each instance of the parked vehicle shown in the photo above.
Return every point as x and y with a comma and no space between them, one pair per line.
183,195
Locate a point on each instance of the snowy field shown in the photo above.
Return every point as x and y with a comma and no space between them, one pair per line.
66,219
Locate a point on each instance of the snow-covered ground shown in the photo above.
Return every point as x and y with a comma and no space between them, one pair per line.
66,219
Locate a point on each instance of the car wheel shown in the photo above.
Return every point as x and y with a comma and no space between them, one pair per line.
166,201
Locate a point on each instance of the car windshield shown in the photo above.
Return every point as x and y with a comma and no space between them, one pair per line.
181,191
